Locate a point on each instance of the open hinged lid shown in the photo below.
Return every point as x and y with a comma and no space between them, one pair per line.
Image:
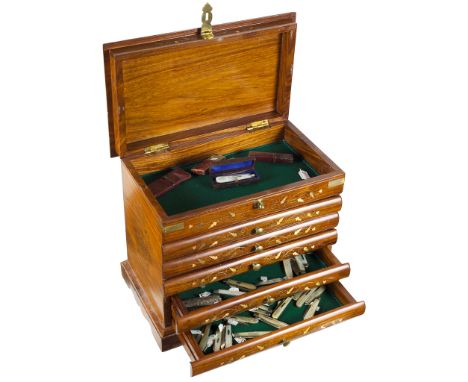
168,87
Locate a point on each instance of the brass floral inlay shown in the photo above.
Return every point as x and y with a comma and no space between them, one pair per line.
194,247
194,265
233,234
278,256
214,224
300,200
232,214
201,261
298,231
260,347
233,270
279,221
190,226
307,330
214,257
311,194
244,306
278,241
214,243
284,200
298,219
320,191
214,278
290,290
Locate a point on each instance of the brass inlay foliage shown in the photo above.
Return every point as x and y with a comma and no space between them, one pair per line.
279,221
214,224
290,290
260,347
298,231
233,270
232,214
300,200
284,200
214,257
244,306
233,234
214,243
307,330
278,241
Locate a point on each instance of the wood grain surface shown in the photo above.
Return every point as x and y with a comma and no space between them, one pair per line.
243,264
334,271
247,229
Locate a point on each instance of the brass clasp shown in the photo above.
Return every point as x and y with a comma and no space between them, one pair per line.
207,16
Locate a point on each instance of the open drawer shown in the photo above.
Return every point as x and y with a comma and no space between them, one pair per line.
336,305
323,268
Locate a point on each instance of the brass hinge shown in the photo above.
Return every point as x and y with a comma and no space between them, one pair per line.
156,148
258,125
207,16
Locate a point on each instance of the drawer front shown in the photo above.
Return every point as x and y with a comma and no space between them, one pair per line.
204,362
331,271
256,244
243,264
250,229
262,204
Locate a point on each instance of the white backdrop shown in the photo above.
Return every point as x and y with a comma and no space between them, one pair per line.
380,86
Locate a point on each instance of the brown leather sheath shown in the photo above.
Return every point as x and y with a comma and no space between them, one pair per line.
168,182
271,157
202,168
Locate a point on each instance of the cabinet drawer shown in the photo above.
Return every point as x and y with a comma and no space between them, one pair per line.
260,243
252,228
243,264
336,306
212,218
323,268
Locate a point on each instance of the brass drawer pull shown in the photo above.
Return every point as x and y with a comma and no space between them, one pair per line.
257,230
256,266
269,300
259,205
258,248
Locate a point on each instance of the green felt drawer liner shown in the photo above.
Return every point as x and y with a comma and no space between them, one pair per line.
271,271
198,192
291,315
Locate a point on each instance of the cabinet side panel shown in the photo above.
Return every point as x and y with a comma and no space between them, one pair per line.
144,242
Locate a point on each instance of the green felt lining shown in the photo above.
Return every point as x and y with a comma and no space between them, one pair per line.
271,271
292,314
197,192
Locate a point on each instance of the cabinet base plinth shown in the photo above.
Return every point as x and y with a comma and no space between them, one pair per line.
165,337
